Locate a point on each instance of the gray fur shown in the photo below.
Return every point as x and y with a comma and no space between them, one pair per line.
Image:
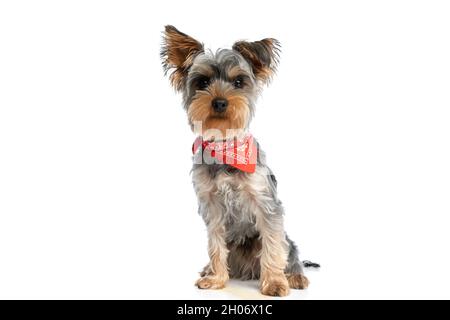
217,65
241,232
242,212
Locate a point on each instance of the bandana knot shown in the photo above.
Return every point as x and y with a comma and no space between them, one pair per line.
238,153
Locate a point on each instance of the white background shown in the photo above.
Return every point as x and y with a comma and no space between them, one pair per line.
95,193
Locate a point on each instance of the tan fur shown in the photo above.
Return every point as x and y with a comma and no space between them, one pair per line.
234,72
274,247
235,117
264,74
271,252
263,70
217,275
297,281
274,285
179,52
242,212
273,255
217,271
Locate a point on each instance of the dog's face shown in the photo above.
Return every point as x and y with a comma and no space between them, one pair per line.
219,89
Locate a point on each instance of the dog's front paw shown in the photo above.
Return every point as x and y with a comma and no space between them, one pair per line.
298,281
278,287
210,282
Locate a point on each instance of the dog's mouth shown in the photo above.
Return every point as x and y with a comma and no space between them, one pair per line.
204,118
218,116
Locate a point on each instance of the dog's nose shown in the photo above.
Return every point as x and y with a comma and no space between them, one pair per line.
219,105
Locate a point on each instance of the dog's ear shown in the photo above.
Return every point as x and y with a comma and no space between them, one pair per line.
177,54
262,55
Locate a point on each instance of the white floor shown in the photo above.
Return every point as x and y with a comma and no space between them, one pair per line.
247,290
95,149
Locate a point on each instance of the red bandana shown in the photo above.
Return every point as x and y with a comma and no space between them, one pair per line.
238,153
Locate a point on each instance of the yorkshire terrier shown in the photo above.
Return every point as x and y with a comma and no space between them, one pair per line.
236,190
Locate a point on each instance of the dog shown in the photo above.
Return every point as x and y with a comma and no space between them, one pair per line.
236,190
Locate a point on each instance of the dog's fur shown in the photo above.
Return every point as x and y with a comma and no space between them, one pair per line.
243,214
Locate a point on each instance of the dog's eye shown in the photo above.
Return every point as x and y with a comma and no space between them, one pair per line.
202,83
238,83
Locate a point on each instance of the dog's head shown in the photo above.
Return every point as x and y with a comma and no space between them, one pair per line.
219,89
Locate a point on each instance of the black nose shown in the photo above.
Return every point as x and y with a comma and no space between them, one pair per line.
219,104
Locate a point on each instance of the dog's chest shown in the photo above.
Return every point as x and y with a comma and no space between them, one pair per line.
238,216
229,190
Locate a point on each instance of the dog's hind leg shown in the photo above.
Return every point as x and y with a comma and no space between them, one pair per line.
294,268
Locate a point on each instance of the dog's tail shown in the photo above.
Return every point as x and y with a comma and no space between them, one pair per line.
309,264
